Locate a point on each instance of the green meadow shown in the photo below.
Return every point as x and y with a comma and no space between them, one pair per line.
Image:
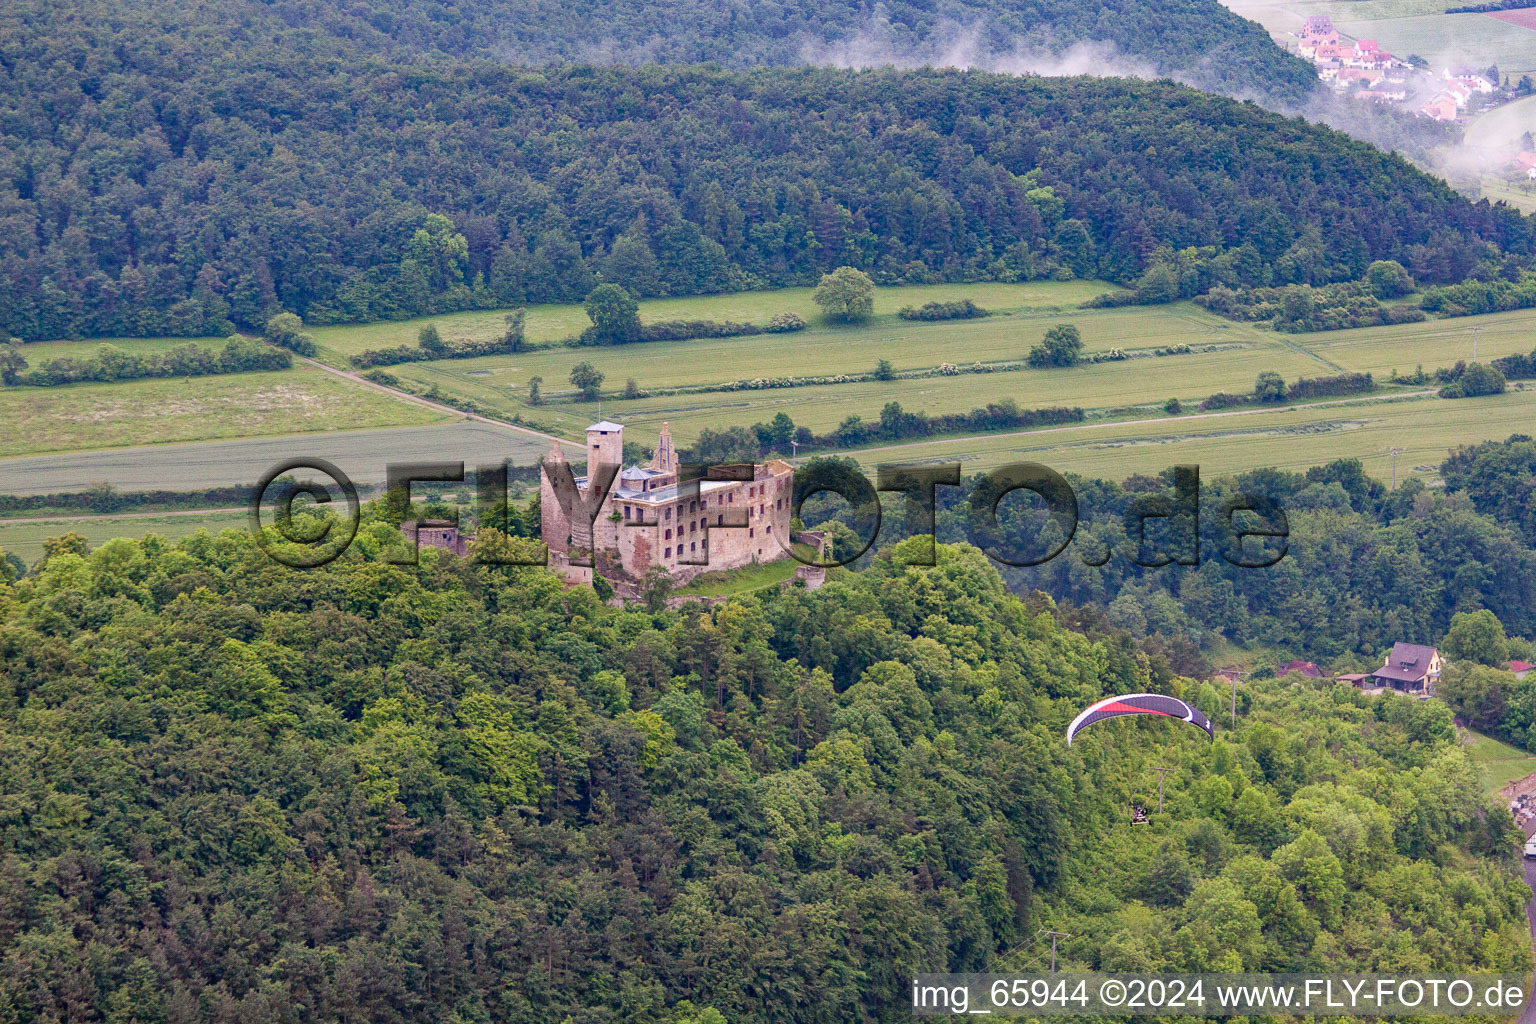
161,410
24,537
546,323
1424,429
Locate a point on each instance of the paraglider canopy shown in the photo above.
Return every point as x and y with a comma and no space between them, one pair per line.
1137,704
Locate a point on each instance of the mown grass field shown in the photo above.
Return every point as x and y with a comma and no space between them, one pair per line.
38,351
1295,438
362,454
25,538
253,419
1424,429
162,410
553,323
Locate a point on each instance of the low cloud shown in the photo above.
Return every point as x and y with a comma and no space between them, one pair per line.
952,45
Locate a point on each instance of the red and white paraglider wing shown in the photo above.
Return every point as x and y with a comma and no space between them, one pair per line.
1137,704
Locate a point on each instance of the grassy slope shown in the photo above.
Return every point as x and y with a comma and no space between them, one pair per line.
1501,763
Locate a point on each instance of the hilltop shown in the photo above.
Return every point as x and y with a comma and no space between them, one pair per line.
448,792
1199,41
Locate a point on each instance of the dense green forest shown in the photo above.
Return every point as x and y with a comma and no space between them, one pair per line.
1199,40
459,793
152,188
1364,567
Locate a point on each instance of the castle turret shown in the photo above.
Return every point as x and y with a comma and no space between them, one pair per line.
666,456
605,446
554,525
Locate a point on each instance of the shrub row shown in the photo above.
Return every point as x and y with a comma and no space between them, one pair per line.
1471,298
239,355
962,309
1322,387
431,346
1297,308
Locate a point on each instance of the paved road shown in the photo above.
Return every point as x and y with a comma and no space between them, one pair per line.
408,397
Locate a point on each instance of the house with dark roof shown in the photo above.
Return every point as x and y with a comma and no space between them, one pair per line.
1410,668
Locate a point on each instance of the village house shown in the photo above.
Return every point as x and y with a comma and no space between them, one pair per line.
1520,668
651,517
1442,108
1317,31
1410,668
1306,668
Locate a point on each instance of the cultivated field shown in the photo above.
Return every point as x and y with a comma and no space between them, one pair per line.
260,419
1424,429
361,454
501,382
1130,389
553,323
155,411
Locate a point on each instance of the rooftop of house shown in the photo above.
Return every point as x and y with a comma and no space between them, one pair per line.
606,427
1407,663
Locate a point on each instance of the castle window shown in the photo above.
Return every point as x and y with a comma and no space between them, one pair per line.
693,527
751,532
693,547
719,520
669,513
770,528
693,506
627,510
759,510
751,492
669,552
668,536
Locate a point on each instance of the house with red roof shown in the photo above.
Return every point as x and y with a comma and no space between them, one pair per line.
1306,668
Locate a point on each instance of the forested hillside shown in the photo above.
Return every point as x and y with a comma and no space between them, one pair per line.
452,793
1201,41
1364,566
141,194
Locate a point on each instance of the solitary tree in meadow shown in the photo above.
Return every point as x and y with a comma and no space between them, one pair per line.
615,315
1061,346
846,294
587,379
